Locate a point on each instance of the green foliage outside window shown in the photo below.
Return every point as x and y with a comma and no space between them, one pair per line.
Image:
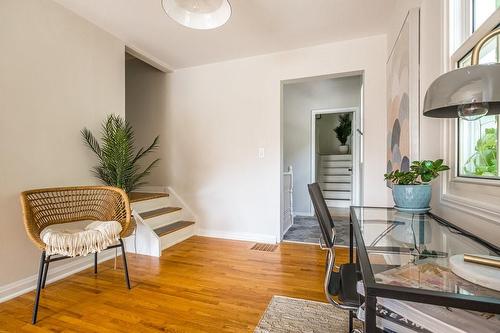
484,161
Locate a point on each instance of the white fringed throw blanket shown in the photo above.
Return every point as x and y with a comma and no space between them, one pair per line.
80,238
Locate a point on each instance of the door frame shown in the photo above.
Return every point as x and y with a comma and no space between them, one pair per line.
356,144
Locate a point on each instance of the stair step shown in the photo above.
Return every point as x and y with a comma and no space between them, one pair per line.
158,212
141,196
336,164
337,195
335,179
173,227
338,203
335,186
335,172
336,158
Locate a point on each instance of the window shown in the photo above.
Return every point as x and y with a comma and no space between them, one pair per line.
481,10
478,141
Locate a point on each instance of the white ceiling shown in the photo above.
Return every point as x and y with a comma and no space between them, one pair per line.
255,27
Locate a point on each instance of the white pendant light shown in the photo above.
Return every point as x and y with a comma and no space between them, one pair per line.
198,14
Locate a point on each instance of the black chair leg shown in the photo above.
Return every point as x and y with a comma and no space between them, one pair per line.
125,263
95,263
350,320
38,287
45,271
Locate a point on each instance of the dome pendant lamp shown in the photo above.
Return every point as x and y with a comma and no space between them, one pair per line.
198,14
468,93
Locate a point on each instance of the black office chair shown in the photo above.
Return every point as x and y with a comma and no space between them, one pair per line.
340,282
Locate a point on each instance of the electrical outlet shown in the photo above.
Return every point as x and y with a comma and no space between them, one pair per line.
262,153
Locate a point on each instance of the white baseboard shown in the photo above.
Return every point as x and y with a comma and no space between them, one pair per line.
28,284
260,238
298,242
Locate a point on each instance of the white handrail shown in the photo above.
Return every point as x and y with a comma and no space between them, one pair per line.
290,188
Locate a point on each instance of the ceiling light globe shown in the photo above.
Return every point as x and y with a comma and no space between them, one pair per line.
198,14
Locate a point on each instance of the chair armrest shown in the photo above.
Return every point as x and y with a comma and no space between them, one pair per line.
130,230
120,211
325,248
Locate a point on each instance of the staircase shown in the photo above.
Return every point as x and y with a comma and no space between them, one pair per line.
162,221
335,179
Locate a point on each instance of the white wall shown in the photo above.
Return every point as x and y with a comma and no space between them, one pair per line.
433,55
220,114
145,110
58,73
299,99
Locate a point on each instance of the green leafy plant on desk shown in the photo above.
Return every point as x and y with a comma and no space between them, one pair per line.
411,189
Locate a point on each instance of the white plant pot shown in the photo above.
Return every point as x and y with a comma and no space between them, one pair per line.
344,149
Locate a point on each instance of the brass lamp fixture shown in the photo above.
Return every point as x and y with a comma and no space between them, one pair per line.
468,93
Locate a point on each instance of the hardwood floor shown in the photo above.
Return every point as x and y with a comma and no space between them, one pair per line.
200,285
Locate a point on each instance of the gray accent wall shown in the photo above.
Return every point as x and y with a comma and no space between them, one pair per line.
146,110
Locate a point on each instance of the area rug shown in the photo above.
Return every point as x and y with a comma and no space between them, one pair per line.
305,229
285,314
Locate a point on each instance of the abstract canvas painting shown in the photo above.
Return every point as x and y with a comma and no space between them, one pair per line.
403,96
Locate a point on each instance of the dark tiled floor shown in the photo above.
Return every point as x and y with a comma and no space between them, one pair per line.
305,229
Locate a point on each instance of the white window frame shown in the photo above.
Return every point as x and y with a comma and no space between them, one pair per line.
454,188
451,125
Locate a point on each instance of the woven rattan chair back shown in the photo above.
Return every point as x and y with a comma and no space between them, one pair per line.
45,207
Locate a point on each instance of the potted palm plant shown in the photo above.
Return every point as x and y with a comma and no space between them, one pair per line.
343,131
411,189
118,158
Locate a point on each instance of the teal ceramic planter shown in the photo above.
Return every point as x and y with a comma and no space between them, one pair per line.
412,197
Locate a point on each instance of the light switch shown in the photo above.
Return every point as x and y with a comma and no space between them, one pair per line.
261,153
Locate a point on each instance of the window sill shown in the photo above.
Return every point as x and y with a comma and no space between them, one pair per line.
476,181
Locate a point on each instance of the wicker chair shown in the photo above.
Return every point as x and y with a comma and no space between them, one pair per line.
46,207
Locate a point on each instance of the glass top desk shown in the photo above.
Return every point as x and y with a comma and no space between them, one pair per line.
405,256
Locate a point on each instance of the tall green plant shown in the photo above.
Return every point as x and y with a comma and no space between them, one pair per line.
343,130
484,161
118,159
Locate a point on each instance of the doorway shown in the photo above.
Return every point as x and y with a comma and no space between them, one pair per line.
319,116
335,156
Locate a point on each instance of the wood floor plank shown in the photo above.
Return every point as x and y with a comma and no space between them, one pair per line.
200,285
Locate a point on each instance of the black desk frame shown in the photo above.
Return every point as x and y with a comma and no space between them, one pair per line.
373,289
